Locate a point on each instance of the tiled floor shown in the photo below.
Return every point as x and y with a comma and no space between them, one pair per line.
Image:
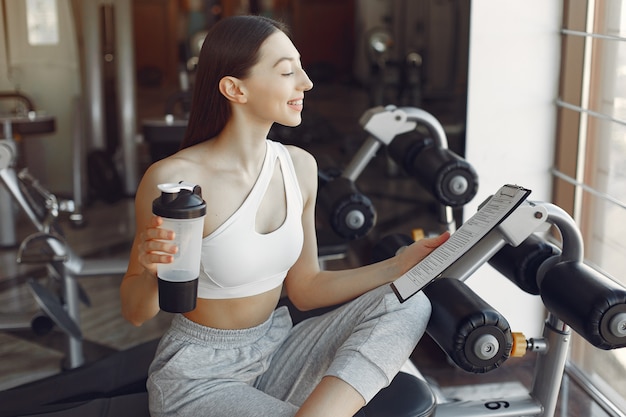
332,133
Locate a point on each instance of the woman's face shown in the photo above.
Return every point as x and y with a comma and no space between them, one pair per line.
276,84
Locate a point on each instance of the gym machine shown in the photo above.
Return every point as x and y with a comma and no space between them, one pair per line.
47,246
478,339
23,121
447,177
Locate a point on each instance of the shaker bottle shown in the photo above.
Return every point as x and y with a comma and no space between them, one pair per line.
182,208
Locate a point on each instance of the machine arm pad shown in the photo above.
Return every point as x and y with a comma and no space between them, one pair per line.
350,213
473,334
520,264
589,302
448,177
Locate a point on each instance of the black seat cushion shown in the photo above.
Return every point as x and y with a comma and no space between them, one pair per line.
118,375
406,396
129,405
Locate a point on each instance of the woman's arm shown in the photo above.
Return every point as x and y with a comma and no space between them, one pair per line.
308,287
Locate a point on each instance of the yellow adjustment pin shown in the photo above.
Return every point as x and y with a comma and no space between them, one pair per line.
417,234
519,345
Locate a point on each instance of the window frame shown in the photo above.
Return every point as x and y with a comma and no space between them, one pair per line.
583,57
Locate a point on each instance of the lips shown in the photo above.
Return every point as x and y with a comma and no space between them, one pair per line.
296,102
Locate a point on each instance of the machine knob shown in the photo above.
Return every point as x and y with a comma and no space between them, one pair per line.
355,219
458,185
618,325
486,347
520,345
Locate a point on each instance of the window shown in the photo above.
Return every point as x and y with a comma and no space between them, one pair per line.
590,166
42,22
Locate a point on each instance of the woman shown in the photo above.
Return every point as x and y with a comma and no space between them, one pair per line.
236,354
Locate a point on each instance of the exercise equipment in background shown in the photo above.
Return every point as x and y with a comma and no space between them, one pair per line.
22,121
59,301
404,77
450,179
164,135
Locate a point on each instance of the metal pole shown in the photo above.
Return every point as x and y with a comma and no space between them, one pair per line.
78,164
551,364
363,156
93,74
75,356
8,234
126,93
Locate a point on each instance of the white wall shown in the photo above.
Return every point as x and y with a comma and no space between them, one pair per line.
511,118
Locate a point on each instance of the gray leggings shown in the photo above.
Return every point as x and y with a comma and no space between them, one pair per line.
269,370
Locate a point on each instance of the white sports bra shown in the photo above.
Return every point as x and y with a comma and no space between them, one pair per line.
237,261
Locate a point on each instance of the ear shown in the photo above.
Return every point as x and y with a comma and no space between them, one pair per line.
232,89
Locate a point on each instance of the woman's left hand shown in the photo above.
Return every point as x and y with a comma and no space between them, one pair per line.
414,253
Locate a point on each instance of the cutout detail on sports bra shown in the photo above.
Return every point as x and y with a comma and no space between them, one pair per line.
239,262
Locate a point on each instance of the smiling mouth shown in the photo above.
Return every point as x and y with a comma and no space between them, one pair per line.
296,102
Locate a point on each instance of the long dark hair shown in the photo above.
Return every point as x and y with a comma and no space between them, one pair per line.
230,48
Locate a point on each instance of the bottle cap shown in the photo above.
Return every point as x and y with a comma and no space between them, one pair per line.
180,200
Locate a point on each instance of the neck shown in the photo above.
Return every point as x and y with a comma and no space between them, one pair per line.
242,149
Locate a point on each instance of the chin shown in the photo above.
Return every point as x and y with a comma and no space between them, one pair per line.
291,123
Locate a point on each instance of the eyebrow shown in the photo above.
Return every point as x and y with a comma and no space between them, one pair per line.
284,59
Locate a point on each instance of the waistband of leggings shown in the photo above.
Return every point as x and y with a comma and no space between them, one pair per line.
226,338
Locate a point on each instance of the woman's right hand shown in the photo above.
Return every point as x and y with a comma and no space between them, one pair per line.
156,245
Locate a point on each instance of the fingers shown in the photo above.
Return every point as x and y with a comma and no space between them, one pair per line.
433,242
428,243
155,232
149,260
156,245
421,248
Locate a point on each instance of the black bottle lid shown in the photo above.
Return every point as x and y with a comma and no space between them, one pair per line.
181,200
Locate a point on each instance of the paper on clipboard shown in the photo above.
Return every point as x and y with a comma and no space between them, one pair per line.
490,214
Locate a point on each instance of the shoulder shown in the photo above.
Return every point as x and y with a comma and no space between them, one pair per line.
173,168
302,160
305,166
167,168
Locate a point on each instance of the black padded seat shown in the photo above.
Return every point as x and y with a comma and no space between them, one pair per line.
130,405
90,390
26,126
406,396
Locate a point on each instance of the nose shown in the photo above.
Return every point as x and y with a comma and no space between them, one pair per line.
306,83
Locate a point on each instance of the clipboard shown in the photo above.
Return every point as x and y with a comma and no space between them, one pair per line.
490,214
